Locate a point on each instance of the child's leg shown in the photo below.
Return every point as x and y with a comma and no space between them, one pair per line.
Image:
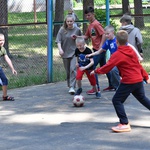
4,88
139,94
4,81
78,79
66,63
79,84
92,79
73,72
119,98
115,77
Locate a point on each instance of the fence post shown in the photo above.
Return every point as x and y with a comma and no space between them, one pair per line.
50,40
107,12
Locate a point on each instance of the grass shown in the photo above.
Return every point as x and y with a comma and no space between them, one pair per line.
28,46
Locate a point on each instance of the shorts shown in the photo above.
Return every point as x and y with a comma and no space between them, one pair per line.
91,78
3,78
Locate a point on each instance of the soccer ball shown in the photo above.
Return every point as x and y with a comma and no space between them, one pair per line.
78,101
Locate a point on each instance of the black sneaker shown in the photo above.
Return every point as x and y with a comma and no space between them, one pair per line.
79,91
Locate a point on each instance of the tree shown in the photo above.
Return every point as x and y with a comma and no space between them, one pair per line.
139,21
59,15
86,3
125,7
4,22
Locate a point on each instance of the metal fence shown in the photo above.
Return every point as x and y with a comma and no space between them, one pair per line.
27,42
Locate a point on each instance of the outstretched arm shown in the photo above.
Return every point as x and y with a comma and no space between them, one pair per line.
9,62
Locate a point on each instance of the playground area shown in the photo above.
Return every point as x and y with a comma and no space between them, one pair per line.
43,117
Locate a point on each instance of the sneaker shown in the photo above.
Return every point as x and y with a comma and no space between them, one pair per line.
92,92
98,95
122,128
71,91
79,91
109,89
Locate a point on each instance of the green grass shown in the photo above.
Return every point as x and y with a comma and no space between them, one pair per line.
26,17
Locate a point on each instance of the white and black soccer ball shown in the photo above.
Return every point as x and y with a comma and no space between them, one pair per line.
78,101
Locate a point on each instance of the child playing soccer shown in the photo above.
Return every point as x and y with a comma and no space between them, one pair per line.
84,65
4,80
111,45
132,73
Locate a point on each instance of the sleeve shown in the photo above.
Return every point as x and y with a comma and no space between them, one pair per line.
139,39
111,63
144,74
59,36
3,51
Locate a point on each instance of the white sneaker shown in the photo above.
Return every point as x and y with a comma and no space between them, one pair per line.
122,128
71,91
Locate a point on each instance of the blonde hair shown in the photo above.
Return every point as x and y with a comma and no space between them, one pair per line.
122,37
80,40
110,28
65,26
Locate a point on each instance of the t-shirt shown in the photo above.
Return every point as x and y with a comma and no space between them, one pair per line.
2,51
83,61
67,43
111,45
95,32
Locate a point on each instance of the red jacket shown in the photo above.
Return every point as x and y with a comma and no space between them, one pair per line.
125,59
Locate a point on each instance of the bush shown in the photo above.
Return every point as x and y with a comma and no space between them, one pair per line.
100,15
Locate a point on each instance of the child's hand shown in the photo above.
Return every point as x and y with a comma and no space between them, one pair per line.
61,52
77,65
148,81
14,71
82,68
88,55
73,36
92,72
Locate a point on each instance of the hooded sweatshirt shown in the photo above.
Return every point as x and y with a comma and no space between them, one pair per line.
128,65
134,35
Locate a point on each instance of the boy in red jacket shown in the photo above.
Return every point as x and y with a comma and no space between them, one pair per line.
132,74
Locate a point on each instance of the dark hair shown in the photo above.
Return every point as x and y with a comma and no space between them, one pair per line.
89,10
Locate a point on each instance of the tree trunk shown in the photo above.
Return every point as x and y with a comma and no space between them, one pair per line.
125,7
4,22
139,21
86,3
59,15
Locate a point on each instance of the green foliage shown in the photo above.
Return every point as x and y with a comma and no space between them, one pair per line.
99,2
102,2
101,16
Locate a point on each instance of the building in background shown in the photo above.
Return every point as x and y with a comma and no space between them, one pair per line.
28,5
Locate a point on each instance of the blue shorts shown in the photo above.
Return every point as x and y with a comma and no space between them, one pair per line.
3,78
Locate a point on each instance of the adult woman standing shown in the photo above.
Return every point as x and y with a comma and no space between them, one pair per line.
66,46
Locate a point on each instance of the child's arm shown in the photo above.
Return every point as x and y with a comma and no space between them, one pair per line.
96,52
76,36
88,66
137,53
9,62
61,52
102,40
77,64
148,81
